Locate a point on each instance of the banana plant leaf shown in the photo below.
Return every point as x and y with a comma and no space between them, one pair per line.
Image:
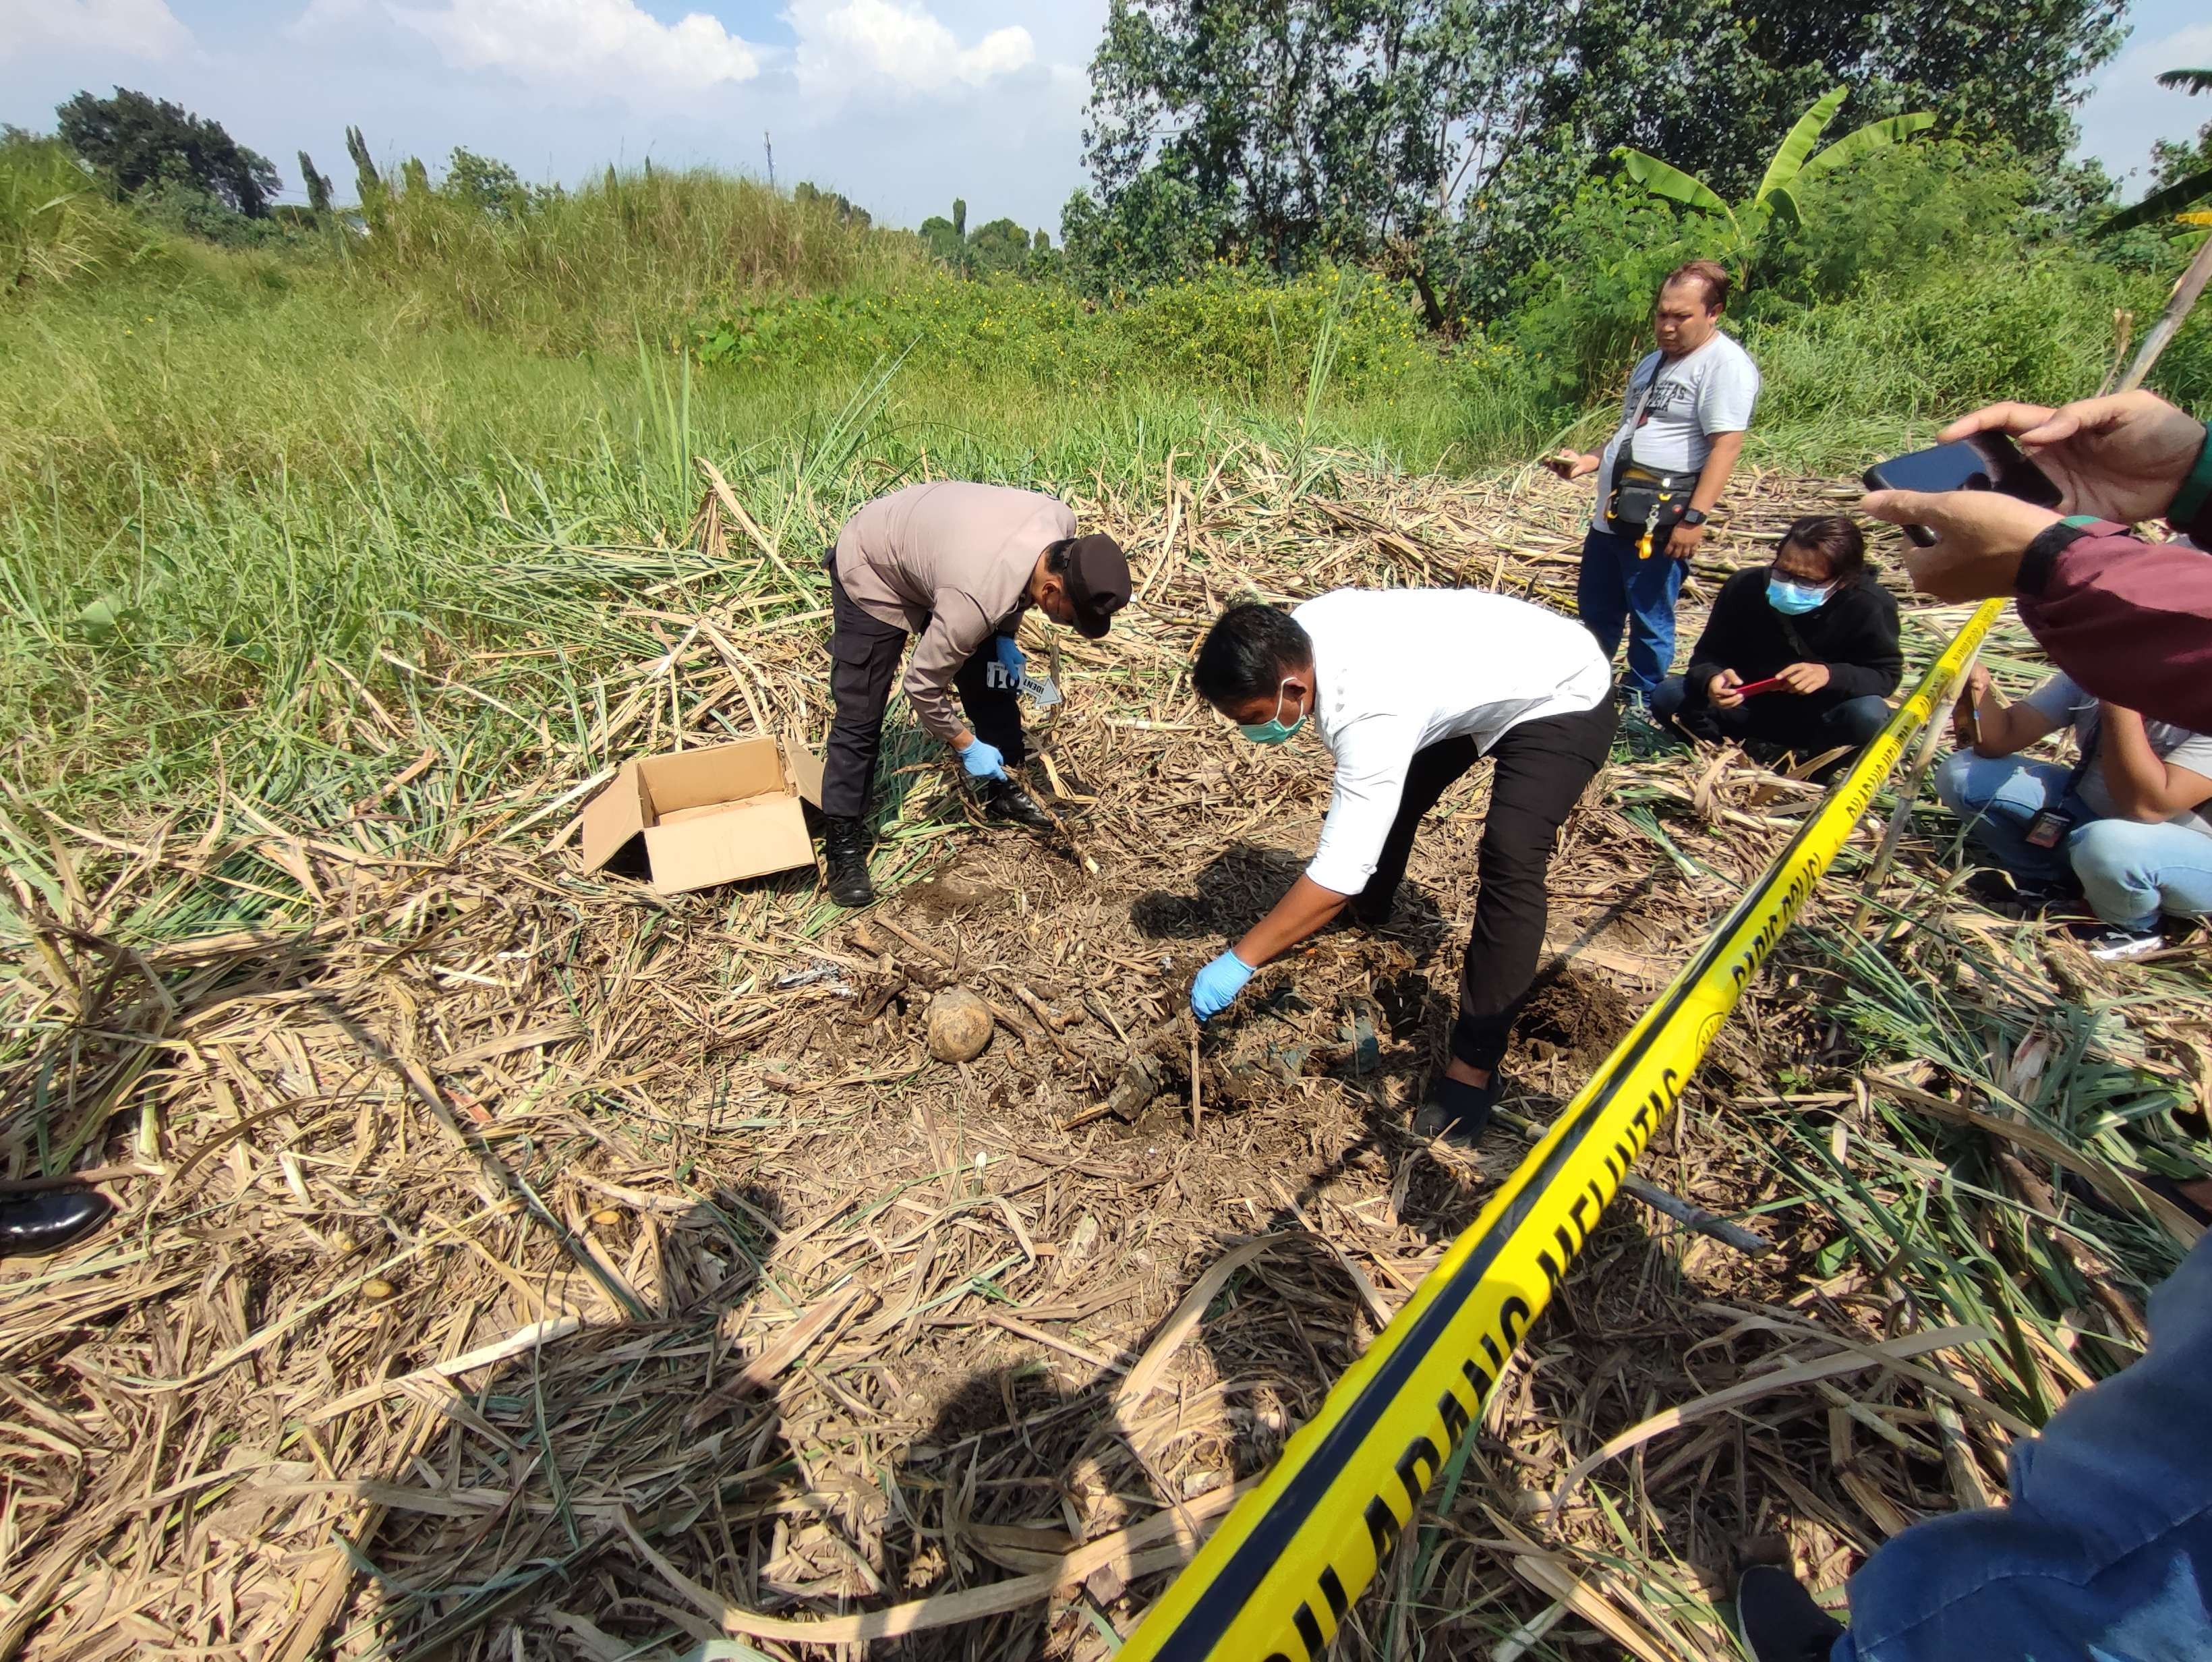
1872,136
1781,208
1663,179
1799,144
2159,204
2192,80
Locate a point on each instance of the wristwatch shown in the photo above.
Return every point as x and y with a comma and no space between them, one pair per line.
1693,516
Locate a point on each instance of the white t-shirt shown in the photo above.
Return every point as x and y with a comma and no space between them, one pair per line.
2063,700
1711,390
1399,669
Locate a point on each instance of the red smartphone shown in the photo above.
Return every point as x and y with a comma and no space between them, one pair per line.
1981,461
1753,689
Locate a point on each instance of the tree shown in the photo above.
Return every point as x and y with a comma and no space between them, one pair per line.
1313,125
1698,73
1793,162
1000,245
1440,139
486,183
367,179
135,141
947,239
318,185
807,194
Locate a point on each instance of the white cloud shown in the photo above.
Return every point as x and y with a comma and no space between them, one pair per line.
596,46
845,43
2129,109
138,28
325,15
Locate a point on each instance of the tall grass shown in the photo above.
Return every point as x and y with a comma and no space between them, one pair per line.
219,470
56,228
578,270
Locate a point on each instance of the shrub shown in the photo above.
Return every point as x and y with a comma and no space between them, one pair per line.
1227,330
1891,215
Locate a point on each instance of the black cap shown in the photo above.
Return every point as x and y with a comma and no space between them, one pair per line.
1098,579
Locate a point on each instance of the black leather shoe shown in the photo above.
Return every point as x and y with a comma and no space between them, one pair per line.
1778,1621
1458,1113
49,1220
1007,802
845,856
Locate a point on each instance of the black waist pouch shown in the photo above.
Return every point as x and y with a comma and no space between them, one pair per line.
1642,497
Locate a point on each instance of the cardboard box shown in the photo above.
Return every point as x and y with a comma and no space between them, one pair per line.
697,818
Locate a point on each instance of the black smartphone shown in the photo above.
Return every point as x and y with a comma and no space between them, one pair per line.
1982,461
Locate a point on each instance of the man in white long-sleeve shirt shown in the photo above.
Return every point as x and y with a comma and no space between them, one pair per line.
1409,688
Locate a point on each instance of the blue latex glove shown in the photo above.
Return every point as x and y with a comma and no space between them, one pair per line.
1010,657
983,761
1218,985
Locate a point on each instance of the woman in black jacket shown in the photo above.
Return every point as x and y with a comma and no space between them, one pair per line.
1815,623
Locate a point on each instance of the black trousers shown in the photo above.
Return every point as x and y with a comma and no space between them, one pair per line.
1807,725
864,658
1539,770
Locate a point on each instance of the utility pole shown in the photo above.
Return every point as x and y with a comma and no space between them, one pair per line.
768,144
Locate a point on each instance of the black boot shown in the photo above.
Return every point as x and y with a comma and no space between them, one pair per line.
49,1220
1778,1621
1007,802
1459,1113
845,853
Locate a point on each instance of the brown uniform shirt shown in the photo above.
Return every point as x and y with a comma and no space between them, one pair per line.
951,562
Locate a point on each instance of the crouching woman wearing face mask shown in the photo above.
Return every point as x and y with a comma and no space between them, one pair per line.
1407,688
1816,625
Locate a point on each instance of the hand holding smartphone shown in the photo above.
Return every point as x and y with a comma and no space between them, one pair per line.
1980,461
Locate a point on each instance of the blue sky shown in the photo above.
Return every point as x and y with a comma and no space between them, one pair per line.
901,104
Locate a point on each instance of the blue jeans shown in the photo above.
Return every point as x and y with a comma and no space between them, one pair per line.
2106,1551
1616,589
2129,873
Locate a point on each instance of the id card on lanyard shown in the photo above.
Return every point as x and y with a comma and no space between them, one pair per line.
2049,828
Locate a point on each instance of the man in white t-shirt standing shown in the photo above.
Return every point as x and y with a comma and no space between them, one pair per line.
1683,419
1409,688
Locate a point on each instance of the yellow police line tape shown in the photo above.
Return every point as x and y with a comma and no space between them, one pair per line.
1277,1578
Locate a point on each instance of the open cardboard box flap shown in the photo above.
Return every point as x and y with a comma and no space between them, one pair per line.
708,816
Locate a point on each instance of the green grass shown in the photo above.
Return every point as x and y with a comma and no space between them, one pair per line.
226,477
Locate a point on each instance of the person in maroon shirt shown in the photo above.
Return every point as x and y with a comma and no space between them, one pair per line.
2130,620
